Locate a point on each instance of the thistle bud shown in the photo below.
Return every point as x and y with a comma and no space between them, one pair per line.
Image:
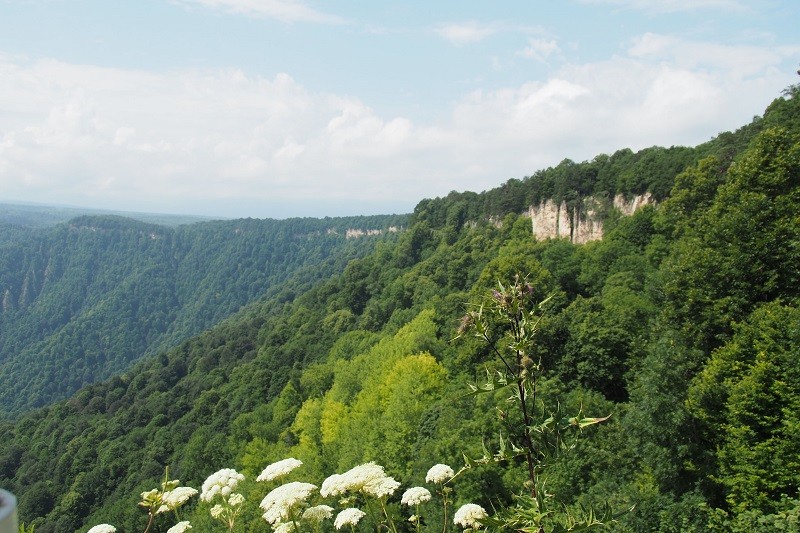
466,322
526,362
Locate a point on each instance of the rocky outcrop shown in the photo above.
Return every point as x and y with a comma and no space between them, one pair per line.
354,233
582,221
629,206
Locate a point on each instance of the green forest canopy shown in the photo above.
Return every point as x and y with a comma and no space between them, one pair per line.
81,300
683,322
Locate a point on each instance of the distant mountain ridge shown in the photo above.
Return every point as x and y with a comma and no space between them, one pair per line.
82,300
42,215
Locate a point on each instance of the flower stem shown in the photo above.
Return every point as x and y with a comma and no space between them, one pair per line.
444,519
149,521
388,518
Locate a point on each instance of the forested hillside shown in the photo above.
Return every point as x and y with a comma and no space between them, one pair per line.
80,301
682,324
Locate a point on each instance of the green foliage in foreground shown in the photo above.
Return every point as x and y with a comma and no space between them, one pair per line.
508,323
682,323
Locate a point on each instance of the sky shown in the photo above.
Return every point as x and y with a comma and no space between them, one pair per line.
285,108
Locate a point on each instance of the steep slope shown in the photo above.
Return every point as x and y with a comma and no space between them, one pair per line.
82,300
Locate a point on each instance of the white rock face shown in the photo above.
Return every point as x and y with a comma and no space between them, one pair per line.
582,224
629,207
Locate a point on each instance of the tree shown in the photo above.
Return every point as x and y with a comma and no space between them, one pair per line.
748,398
742,250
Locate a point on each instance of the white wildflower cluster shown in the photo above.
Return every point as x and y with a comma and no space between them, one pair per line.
318,513
235,500
222,482
334,485
172,499
348,517
180,527
368,478
469,516
279,469
102,528
415,496
286,527
439,474
287,506
282,503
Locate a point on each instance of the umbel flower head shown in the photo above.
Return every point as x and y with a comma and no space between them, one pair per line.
180,527
348,517
318,513
222,482
415,496
174,498
168,498
280,504
102,528
469,516
286,527
279,469
368,478
439,474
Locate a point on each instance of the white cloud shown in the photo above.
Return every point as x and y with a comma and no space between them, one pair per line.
539,49
135,136
466,32
283,10
185,140
737,60
674,6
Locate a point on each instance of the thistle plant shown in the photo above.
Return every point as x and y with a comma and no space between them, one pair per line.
507,321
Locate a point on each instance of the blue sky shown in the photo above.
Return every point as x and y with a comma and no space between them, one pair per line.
279,108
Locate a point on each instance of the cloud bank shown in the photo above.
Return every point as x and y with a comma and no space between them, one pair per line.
198,141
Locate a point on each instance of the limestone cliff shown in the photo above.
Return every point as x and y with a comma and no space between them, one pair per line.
354,233
582,221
